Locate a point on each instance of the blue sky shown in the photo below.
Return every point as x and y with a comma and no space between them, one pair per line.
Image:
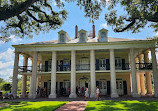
75,17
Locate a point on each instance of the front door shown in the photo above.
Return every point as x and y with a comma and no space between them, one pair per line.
119,86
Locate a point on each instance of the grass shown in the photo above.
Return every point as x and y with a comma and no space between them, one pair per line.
109,105
33,106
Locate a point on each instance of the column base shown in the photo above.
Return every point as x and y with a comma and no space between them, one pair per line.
135,95
143,94
114,95
52,96
93,95
73,95
33,96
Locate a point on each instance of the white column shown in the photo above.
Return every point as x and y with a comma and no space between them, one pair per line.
73,75
142,83
113,74
53,76
148,75
92,74
133,74
15,75
154,68
24,78
34,76
138,83
23,87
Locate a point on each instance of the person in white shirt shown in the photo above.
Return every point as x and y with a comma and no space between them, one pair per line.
97,93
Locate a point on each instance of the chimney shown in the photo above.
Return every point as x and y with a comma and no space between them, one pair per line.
93,31
76,32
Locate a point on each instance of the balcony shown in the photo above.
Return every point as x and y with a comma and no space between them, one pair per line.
86,67
144,66
83,67
63,67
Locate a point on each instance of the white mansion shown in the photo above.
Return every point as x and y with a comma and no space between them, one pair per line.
117,66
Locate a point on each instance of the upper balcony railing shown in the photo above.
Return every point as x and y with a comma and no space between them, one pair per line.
86,67
82,67
143,66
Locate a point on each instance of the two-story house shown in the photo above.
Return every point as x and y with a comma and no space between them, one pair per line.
60,67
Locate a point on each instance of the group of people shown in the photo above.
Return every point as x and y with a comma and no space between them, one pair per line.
97,93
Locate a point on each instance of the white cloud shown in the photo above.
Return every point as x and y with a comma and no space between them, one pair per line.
105,1
104,25
6,63
7,55
1,42
15,39
156,34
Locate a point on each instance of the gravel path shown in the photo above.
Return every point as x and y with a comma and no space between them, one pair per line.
73,106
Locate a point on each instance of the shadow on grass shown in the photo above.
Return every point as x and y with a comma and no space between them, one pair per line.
122,105
19,106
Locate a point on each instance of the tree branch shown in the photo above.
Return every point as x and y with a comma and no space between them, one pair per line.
125,28
12,11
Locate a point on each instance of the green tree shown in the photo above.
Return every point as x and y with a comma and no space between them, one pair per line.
138,14
6,87
1,80
25,17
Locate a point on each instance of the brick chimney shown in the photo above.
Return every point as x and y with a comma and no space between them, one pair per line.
93,31
76,32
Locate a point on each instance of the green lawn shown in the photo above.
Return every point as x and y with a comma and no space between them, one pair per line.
33,106
109,105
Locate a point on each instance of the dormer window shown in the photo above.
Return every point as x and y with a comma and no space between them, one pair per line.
102,35
62,38
82,36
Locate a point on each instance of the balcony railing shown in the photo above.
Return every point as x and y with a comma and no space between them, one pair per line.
82,67
143,66
63,67
25,69
86,67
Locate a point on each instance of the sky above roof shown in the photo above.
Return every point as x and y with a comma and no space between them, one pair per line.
75,17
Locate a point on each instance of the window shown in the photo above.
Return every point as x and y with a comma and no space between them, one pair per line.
82,37
62,38
103,34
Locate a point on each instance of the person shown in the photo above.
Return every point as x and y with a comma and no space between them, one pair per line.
97,93
82,89
86,94
79,92
10,95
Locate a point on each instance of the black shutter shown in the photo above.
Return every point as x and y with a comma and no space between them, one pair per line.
107,64
57,66
61,65
125,87
123,64
108,88
46,66
97,64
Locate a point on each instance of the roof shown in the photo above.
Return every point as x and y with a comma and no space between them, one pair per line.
90,39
